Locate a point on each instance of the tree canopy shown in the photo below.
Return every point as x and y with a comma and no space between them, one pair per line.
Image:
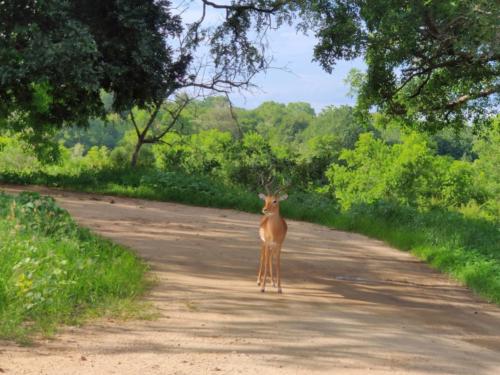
431,63
56,57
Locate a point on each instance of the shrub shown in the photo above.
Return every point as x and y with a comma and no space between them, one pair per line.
53,271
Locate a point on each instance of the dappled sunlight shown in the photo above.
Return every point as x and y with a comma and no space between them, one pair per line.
349,302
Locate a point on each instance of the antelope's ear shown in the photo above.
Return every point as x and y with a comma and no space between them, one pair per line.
262,196
283,197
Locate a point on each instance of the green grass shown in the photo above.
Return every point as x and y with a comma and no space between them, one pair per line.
466,248
54,272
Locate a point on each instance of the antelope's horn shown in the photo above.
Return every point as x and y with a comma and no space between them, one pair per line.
283,188
266,184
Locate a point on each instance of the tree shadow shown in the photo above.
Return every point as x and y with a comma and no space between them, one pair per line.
348,301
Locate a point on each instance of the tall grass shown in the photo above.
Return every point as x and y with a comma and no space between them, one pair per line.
52,271
466,248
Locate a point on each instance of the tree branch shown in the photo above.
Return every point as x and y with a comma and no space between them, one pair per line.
135,124
233,115
465,98
174,117
157,105
244,7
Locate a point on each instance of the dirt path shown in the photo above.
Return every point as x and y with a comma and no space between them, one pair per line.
351,305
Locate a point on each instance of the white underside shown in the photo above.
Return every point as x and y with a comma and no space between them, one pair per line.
261,234
271,244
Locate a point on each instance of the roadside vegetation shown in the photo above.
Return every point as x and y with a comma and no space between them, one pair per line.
52,271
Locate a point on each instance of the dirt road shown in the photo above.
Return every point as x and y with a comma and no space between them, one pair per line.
350,304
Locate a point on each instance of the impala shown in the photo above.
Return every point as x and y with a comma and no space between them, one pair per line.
272,232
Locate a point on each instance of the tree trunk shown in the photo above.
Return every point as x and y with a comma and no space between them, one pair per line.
135,155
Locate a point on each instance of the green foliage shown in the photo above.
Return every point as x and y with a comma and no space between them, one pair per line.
218,154
339,121
53,271
254,157
97,133
213,112
55,57
208,151
364,178
457,144
431,63
17,156
318,153
486,167
408,173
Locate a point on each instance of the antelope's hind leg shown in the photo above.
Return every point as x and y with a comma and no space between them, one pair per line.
278,267
266,264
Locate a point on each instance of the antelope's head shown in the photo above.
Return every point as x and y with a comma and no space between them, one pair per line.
271,199
272,202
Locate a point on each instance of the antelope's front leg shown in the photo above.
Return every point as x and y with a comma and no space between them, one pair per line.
271,271
266,263
261,263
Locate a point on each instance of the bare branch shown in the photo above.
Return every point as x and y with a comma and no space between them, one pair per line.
152,118
234,116
174,118
246,7
465,98
135,124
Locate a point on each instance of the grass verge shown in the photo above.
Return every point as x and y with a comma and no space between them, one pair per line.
52,271
465,248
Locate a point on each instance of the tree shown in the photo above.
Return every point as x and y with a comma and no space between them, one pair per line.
153,123
487,147
432,63
408,173
231,65
56,56
317,154
336,120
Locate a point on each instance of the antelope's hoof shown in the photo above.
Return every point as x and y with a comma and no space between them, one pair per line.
262,290
258,283
280,291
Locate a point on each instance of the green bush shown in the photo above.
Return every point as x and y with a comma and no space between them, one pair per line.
17,156
408,173
53,271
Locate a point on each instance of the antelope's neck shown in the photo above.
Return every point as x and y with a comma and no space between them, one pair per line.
273,215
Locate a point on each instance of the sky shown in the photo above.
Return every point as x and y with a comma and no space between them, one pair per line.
301,79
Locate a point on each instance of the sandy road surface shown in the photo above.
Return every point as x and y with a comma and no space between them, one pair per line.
351,305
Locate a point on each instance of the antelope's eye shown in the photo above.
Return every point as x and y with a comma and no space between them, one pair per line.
275,201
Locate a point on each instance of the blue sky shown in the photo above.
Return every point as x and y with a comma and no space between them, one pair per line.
304,79
301,80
